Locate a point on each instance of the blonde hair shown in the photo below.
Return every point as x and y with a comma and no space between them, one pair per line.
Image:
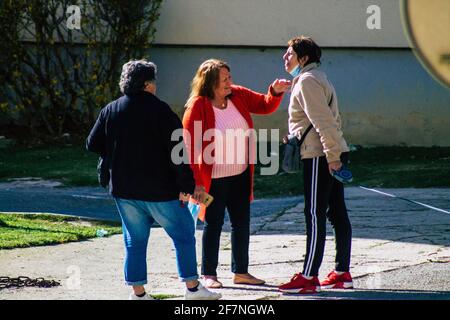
206,79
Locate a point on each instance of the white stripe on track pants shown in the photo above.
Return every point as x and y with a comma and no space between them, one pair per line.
324,197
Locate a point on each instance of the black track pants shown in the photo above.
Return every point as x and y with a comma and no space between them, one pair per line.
324,197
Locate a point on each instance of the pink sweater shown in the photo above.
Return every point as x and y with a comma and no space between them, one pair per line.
231,142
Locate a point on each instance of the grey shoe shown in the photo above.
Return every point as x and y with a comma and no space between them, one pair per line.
202,294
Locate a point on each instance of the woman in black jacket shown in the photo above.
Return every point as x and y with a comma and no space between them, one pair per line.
134,133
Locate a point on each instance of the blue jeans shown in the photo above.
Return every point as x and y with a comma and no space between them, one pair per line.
137,218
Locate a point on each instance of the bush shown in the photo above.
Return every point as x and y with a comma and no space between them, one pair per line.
55,79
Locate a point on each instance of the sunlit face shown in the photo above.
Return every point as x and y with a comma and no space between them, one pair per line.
290,59
223,88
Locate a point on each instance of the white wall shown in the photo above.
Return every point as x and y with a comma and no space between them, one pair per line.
385,96
332,23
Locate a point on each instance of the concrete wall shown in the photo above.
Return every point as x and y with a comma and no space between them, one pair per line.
333,23
385,96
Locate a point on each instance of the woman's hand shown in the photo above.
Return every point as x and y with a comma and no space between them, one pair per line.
199,194
281,85
334,166
184,197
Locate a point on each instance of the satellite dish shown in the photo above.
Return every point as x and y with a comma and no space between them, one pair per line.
427,25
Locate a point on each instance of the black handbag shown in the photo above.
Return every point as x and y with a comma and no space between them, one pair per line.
103,171
291,156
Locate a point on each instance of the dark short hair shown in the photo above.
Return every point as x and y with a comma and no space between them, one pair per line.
135,74
303,46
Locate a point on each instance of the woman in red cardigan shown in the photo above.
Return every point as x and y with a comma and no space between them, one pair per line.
217,121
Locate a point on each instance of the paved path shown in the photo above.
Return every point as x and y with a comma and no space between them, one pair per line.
90,202
400,251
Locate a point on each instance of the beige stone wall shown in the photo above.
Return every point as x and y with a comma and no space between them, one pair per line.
370,129
385,95
333,23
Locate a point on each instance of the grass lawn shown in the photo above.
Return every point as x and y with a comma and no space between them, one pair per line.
388,167
384,167
71,165
26,230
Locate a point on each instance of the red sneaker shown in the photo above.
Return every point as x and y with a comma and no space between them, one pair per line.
299,284
335,281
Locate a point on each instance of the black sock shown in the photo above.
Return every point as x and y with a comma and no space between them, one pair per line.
194,289
141,295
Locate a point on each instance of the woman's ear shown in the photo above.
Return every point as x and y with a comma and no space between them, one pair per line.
303,60
150,87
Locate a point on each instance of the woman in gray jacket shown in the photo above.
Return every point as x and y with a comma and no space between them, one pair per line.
324,150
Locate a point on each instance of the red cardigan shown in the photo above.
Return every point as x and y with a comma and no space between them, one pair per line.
201,109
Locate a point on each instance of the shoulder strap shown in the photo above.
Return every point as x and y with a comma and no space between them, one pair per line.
304,135
310,126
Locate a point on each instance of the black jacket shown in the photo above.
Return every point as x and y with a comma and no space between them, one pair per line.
135,134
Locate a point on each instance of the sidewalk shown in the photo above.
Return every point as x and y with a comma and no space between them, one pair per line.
400,251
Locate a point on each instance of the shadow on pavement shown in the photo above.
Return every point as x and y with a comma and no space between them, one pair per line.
373,216
352,294
379,294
